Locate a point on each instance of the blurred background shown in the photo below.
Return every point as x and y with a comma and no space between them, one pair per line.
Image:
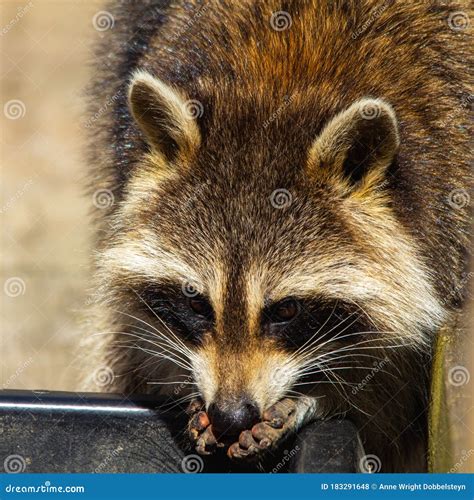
45,249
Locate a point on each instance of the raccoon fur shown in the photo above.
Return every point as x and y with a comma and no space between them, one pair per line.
288,212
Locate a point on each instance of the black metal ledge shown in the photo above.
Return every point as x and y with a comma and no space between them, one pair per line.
71,432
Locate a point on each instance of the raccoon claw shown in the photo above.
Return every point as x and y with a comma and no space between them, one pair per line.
200,429
198,423
206,442
277,422
279,415
195,406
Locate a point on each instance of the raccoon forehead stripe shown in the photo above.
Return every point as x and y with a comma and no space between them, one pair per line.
132,258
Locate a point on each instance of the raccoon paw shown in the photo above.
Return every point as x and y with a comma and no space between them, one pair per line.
200,430
277,422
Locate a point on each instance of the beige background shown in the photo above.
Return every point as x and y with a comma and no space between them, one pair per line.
45,250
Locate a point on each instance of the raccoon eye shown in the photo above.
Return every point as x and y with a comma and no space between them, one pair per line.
200,306
285,311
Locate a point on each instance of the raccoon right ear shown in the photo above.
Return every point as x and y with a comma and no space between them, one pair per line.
356,146
164,115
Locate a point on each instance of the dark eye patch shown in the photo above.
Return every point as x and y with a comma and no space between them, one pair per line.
317,322
188,316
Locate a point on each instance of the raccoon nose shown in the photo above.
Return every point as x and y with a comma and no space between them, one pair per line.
230,420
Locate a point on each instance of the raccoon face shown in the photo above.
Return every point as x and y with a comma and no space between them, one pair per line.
266,275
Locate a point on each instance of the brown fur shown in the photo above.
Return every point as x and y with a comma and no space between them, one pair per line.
198,209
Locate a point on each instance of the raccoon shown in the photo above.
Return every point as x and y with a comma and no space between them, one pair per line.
287,216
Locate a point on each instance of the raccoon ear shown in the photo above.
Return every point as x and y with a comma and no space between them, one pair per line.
356,146
164,116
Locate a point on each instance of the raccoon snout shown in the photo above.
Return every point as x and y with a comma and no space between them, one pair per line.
230,419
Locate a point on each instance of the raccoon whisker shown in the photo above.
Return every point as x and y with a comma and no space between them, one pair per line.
322,368
176,382
341,349
178,340
354,356
318,382
152,362
302,347
176,402
155,340
338,362
160,354
123,344
321,360
154,353
337,368
337,337
360,343
157,344
335,356
308,347
300,394
162,322
364,311
339,383
356,347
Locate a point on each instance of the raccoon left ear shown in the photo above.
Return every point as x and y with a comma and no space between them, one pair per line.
356,146
164,116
